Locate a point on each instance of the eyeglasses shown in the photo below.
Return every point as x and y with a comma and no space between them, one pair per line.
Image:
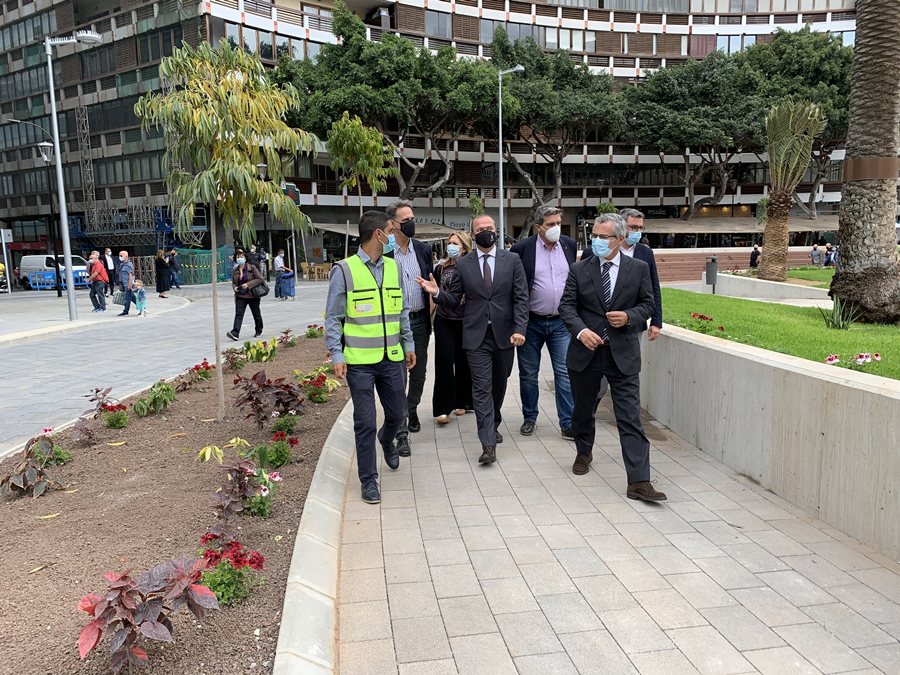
607,237
635,228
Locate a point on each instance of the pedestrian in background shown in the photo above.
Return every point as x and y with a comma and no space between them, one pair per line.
452,377
546,257
111,263
367,332
817,256
754,257
162,273
174,269
415,260
97,280
280,269
140,298
244,278
126,279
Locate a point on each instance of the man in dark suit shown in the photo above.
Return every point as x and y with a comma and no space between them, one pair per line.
493,283
415,261
546,257
607,296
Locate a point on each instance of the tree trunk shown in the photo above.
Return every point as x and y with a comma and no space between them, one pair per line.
220,376
773,264
359,189
868,271
694,206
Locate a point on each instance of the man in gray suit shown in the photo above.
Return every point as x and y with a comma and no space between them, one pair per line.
606,299
493,283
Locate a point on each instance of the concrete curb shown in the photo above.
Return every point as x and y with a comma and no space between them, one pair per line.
76,327
306,641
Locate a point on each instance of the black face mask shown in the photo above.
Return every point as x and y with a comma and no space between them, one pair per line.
409,228
486,238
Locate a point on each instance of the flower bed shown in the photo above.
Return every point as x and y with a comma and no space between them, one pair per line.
138,496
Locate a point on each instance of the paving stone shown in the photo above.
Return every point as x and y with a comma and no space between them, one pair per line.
441,667
841,556
454,580
438,527
580,562
729,573
883,580
527,633
373,657
545,664
694,545
754,557
362,531
446,552
596,653
669,609
528,550
612,547
470,516
821,648
777,543
634,630
361,556
709,652
569,613
406,568
668,662
362,585
669,560
421,639
413,600
885,657
867,602
482,655
818,570
637,575
769,607
561,536
494,564
403,541
605,593
795,588
547,578
700,591
641,535
848,626
365,621
515,526
741,628
508,595
546,514
482,538
591,524
469,615
780,660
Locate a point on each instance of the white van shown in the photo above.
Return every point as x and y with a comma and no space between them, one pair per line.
30,264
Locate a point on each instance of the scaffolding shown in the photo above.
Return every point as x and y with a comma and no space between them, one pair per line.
87,168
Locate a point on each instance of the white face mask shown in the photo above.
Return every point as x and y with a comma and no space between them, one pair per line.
552,235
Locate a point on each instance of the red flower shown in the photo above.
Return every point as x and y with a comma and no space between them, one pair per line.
208,537
722,328
212,557
279,436
256,561
235,545
293,441
238,559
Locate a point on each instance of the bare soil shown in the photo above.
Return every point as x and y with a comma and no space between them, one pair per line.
136,505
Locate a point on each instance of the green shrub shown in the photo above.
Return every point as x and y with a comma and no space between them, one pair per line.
285,423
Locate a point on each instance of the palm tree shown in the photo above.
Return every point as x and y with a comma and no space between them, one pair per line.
791,127
868,272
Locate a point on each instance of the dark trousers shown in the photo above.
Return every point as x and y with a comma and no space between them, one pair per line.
421,335
491,368
98,299
240,306
452,377
626,397
278,274
387,379
111,284
129,298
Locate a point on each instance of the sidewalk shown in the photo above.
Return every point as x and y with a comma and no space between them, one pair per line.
523,567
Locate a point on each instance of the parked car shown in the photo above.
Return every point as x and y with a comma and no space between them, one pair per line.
31,264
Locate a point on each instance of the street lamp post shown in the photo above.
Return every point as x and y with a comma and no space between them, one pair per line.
46,150
517,69
86,37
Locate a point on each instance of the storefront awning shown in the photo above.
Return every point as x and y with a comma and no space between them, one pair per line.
424,231
735,225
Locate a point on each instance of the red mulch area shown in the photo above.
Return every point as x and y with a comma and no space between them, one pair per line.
137,505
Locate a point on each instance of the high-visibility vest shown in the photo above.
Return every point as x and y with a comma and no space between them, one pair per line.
372,324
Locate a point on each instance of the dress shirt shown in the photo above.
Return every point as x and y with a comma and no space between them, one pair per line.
110,265
409,266
628,251
551,269
336,308
613,275
279,263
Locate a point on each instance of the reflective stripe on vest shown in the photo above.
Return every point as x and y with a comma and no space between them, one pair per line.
372,323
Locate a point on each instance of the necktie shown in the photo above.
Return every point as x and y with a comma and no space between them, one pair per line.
607,292
488,283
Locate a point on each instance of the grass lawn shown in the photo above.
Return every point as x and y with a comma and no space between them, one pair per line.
813,274
798,331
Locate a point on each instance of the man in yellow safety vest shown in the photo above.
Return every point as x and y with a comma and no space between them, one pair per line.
368,334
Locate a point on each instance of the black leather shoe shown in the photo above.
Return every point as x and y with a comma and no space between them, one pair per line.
413,423
232,336
257,334
488,455
499,437
527,428
403,447
391,456
370,493
567,434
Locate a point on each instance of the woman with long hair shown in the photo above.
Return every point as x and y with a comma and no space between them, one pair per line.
162,273
243,279
452,377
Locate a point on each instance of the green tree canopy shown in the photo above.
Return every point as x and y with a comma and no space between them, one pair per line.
396,88
699,111
560,103
804,65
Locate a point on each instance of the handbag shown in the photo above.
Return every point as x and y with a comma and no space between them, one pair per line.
260,290
118,298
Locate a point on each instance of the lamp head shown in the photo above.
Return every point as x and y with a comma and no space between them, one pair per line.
262,168
46,150
88,37
519,69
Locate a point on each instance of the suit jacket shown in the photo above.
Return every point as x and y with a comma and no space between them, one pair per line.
426,264
645,253
527,250
506,307
582,306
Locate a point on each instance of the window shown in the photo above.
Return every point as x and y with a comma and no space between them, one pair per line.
749,40
565,39
216,30
282,46
734,43
551,38
265,46
590,41
438,24
722,43
231,33
98,62
312,50
153,46
251,40
849,37
577,41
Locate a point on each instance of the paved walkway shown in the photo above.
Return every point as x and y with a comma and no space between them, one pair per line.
522,567
43,382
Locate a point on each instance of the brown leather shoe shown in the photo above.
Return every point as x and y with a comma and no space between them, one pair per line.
488,455
580,467
644,490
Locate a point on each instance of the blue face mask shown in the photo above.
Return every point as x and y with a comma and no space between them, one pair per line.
240,261
388,247
453,251
600,247
633,238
